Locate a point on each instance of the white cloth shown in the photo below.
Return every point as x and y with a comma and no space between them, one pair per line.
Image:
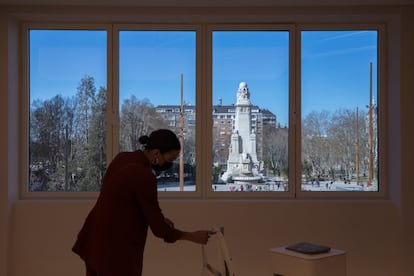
223,263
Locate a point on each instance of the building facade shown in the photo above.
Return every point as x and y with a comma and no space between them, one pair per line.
223,117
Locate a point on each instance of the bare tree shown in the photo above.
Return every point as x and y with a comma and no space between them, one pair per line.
84,99
137,118
94,164
50,121
275,149
316,143
344,133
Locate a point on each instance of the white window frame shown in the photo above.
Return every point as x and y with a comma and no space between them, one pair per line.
291,148
204,95
382,187
171,27
25,105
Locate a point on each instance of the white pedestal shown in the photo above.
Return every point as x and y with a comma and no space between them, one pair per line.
289,263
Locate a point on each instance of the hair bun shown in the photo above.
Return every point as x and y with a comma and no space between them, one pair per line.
163,139
144,139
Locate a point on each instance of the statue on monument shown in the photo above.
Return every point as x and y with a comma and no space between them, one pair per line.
242,163
243,94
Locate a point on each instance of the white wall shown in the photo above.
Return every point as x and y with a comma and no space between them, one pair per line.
8,137
43,233
377,235
3,148
407,134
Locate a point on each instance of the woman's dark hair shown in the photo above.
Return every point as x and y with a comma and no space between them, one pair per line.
163,139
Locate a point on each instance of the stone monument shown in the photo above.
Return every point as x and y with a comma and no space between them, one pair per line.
242,163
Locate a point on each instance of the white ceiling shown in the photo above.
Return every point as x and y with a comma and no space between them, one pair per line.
209,3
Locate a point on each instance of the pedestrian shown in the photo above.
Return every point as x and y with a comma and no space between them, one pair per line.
112,239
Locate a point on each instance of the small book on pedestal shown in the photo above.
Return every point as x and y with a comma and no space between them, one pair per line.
308,248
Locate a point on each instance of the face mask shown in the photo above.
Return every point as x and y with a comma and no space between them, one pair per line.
164,167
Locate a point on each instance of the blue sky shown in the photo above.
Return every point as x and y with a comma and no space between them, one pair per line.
59,60
336,69
335,66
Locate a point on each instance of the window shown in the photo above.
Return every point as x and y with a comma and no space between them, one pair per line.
339,73
67,130
251,78
268,110
157,90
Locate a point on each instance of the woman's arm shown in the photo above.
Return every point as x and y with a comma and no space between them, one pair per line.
200,236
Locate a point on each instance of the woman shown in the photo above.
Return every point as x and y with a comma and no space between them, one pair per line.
112,239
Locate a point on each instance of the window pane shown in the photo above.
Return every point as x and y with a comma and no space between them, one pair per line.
339,110
67,150
157,90
250,110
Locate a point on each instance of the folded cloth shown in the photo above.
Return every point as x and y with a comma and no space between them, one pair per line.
224,267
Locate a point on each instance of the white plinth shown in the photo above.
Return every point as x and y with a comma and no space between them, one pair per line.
289,263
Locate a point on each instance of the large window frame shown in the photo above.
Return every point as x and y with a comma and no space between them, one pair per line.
291,109
115,100
204,110
381,84
25,106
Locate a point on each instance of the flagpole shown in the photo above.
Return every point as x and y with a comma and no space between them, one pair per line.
357,147
370,142
181,136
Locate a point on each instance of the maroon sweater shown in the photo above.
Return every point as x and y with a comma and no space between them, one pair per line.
112,239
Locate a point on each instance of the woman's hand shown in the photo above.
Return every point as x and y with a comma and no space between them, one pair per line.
200,236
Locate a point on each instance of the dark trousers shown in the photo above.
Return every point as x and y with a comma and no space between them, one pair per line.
90,271
122,272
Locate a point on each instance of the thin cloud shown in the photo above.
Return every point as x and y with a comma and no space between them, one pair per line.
346,34
339,52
